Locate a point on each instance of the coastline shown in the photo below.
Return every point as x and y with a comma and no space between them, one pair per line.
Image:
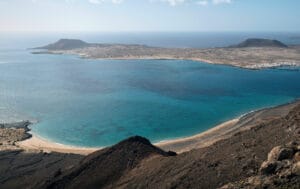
247,57
40,144
258,66
207,138
228,128
35,143
255,66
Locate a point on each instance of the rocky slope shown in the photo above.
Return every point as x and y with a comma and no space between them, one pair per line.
19,169
102,169
280,170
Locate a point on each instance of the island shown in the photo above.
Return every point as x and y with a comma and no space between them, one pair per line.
250,54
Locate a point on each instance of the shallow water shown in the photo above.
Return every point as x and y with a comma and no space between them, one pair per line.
99,102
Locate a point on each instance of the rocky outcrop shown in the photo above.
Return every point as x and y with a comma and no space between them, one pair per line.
280,170
17,125
10,133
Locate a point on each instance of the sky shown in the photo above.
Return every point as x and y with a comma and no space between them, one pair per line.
149,15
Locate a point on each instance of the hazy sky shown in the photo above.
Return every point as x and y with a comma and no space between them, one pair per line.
150,15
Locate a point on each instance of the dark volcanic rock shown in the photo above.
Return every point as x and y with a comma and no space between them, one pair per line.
32,170
280,153
17,125
255,42
103,168
268,167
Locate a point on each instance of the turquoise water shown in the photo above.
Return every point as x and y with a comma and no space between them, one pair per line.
99,102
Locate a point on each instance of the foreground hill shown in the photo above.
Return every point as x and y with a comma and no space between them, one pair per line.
240,160
103,168
252,53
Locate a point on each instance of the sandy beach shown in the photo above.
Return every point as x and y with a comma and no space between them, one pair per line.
40,144
179,145
225,147
226,129
200,140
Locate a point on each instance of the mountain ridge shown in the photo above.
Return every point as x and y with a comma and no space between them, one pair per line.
260,42
65,44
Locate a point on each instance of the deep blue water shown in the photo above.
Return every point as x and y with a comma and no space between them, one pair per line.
99,102
23,40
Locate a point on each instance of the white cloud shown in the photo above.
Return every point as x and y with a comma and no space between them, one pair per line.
117,1
202,2
217,2
96,1
173,2
170,2
198,2
105,1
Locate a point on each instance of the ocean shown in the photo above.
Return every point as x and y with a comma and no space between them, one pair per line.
95,103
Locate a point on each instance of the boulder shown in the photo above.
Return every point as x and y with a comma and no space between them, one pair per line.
268,167
296,169
297,156
280,153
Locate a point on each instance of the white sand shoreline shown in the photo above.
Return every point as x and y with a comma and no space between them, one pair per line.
179,145
199,140
222,125
37,143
